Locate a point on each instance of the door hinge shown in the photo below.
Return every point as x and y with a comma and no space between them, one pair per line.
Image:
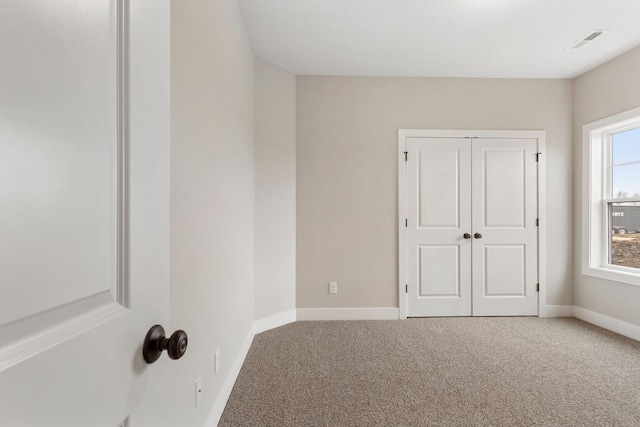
406,223
537,222
537,287
406,289
538,157
405,155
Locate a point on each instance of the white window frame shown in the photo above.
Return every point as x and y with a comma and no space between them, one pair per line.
596,179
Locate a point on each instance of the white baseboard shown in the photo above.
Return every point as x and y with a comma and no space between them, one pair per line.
557,311
230,380
616,325
382,313
275,321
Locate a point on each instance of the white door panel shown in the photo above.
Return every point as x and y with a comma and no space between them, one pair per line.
439,175
484,188
54,186
84,197
504,188
438,274
504,268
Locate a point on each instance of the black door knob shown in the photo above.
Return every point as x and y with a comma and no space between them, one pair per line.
155,343
478,236
466,235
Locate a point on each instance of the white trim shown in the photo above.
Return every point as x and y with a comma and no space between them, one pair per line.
543,309
539,135
616,325
274,321
31,336
230,380
557,311
456,133
382,313
402,229
123,290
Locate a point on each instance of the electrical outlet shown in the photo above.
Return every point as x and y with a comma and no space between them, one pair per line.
333,287
198,390
216,361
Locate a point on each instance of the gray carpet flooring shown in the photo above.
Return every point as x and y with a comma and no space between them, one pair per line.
438,372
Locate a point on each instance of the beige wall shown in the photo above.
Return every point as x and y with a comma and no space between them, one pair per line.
212,199
602,92
275,191
347,185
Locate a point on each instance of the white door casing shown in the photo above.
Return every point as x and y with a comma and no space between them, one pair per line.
84,208
457,182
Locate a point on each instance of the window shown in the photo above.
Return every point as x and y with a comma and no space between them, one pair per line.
611,199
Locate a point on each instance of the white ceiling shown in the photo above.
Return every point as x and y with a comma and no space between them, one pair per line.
443,38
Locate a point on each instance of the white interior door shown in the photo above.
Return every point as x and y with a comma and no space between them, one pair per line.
505,257
84,202
471,232
439,214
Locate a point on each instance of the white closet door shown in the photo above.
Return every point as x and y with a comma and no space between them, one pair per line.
471,227
505,258
439,214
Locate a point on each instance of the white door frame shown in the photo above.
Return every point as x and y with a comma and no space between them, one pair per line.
403,134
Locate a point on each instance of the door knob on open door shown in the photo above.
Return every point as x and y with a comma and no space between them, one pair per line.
155,343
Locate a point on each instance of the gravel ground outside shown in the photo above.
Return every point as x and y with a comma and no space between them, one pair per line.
626,250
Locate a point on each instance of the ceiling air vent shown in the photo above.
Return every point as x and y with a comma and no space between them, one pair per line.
587,39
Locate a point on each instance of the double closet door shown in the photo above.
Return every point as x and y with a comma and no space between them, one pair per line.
471,227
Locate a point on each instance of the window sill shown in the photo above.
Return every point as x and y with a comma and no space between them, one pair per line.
627,276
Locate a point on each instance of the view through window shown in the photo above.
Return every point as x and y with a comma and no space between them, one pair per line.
623,202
